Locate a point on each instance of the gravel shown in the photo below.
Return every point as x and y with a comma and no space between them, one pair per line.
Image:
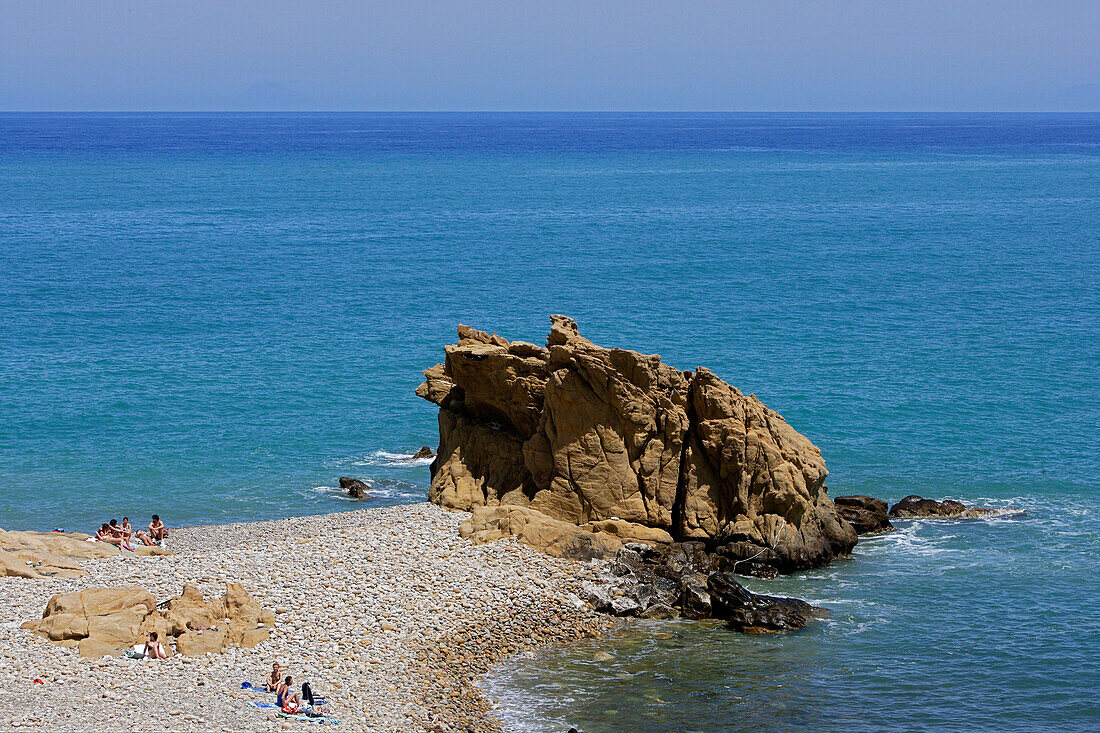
386,612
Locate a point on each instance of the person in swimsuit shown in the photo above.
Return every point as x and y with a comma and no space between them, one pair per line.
106,535
153,648
145,538
127,530
272,683
287,697
157,530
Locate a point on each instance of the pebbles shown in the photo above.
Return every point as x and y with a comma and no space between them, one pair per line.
386,612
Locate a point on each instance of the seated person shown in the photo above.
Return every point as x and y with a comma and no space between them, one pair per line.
127,530
286,697
157,530
118,534
104,534
153,648
271,684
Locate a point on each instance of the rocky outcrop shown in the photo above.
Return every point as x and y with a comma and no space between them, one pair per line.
916,507
685,580
107,621
356,489
755,613
586,434
554,536
424,452
867,514
55,554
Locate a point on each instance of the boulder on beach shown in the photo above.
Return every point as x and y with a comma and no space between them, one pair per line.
356,489
107,621
867,514
916,507
585,434
55,554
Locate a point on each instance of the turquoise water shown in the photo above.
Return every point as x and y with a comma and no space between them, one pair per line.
214,317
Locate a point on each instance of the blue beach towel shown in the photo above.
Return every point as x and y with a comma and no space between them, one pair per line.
264,705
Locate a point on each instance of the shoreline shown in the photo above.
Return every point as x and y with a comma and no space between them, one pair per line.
387,612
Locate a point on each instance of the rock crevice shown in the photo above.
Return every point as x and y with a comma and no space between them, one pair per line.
583,433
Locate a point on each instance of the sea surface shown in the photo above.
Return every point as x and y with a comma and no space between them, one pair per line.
213,317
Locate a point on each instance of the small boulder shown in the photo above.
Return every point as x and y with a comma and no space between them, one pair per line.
744,610
867,514
356,489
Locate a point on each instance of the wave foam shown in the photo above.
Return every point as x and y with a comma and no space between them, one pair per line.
391,460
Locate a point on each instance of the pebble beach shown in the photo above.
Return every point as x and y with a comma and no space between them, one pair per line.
387,612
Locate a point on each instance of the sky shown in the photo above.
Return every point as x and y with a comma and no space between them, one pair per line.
677,55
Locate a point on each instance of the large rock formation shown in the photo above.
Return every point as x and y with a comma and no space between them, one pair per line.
107,621
584,434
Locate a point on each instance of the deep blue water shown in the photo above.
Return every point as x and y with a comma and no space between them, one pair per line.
215,316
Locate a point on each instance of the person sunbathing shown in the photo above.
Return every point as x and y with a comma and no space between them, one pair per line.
272,683
104,534
287,698
145,538
153,648
157,530
127,530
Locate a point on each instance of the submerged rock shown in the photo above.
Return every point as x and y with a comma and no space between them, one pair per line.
867,514
744,610
588,435
356,489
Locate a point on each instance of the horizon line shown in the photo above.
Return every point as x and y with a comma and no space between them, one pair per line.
546,111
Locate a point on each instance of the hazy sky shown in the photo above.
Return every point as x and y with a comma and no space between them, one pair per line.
550,55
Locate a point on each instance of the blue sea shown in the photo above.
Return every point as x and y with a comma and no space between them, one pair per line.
213,317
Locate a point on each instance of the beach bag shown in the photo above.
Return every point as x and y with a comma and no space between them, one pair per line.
290,708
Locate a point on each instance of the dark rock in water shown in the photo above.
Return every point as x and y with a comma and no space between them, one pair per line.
694,597
916,506
682,580
866,513
424,452
748,611
356,489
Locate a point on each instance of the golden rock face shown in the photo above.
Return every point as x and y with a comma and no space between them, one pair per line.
584,434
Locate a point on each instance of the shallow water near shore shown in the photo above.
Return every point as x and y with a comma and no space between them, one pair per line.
941,625
213,317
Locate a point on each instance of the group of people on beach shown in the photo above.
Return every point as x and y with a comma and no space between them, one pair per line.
285,696
121,535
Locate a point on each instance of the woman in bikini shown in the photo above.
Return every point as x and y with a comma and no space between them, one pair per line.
153,648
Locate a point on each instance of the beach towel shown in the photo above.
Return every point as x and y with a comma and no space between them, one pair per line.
264,705
324,720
